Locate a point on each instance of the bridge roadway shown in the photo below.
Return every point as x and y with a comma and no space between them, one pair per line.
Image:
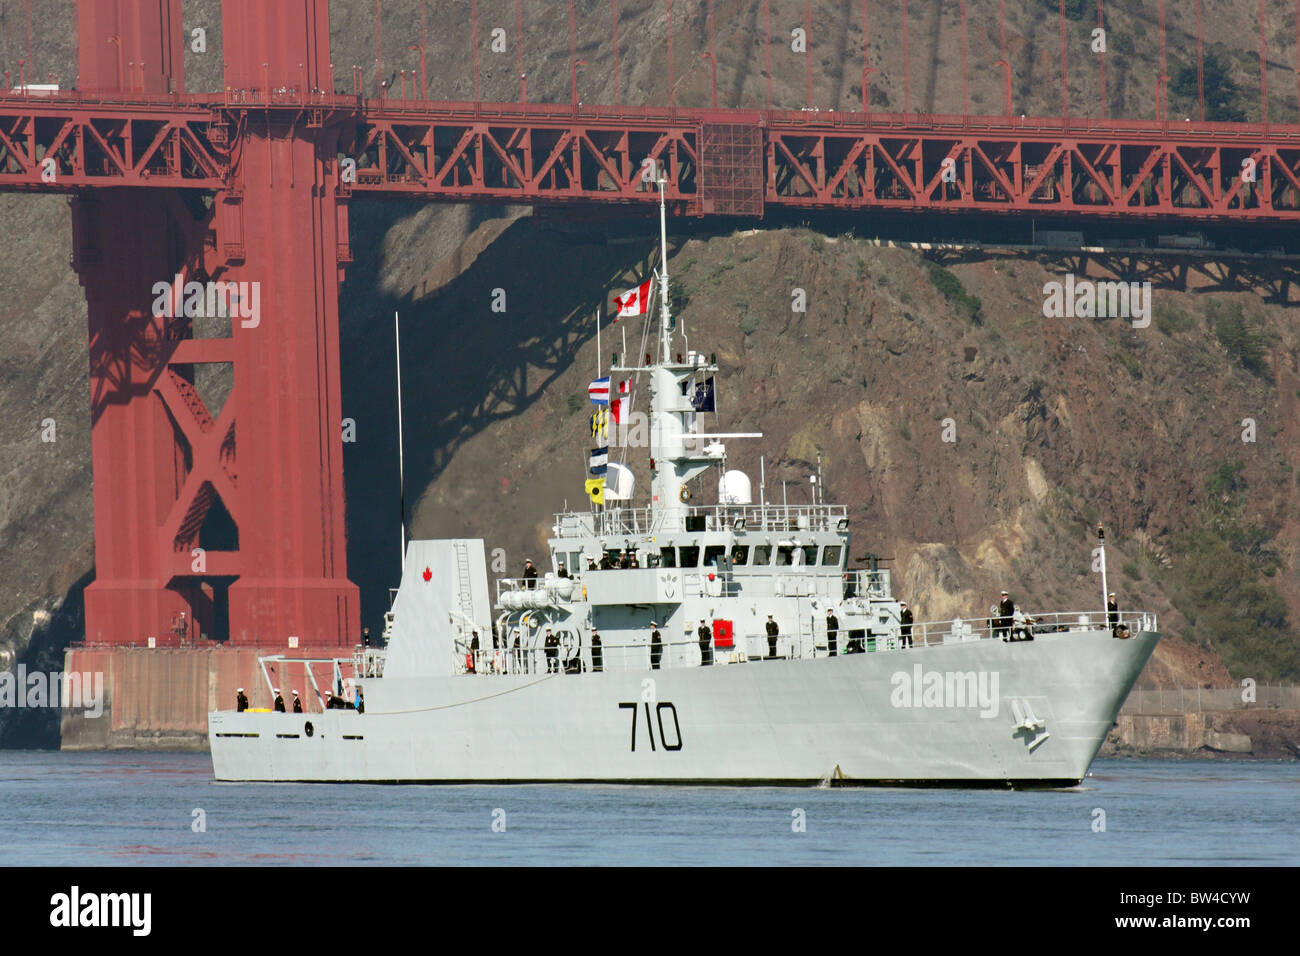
718,162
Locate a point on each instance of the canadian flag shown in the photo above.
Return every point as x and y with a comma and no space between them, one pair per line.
634,301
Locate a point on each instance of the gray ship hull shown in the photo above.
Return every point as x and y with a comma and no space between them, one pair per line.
997,714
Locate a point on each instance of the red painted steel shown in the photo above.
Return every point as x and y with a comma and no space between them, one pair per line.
138,462
164,462
131,45
293,229
546,153
1101,61
69,143
829,160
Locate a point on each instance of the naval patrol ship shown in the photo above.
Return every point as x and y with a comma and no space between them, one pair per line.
644,652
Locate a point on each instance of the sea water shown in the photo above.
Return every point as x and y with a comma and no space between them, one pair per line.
134,809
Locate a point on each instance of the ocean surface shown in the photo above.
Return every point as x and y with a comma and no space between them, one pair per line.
137,809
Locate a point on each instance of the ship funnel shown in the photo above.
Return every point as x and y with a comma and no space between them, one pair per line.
619,482
735,488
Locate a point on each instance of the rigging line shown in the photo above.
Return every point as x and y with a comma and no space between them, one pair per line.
463,703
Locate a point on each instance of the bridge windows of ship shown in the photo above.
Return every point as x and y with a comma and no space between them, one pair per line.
573,561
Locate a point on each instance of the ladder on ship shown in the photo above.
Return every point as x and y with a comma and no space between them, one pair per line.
463,581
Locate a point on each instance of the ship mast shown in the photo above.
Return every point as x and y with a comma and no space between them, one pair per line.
664,320
677,445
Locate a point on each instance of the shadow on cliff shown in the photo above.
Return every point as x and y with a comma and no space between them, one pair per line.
37,728
464,365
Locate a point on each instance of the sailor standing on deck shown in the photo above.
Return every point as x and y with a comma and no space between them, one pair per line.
530,574
773,632
1112,615
1006,610
905,619
241,702
552,648
562,573
832,630
297,703
279,702
597,654
706,644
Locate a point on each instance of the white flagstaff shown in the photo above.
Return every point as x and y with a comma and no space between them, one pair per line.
663,270
1101,548
401,464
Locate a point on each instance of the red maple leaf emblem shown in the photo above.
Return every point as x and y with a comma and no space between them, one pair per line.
428,574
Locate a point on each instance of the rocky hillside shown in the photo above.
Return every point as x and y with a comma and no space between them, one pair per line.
1058,423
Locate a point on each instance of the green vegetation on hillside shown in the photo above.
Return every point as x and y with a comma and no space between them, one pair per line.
1218,587
1243,342
951,288
1173,321
1074,9
1223,99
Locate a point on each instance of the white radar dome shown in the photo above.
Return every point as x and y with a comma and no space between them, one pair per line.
735,488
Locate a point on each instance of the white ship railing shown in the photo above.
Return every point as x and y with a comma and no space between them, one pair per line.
874,585
781,580
534,659
369,661
638,521
806,645
996,628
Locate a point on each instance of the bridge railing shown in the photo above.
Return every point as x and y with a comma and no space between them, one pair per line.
811,120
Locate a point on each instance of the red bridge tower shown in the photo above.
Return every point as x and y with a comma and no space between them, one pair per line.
210,519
